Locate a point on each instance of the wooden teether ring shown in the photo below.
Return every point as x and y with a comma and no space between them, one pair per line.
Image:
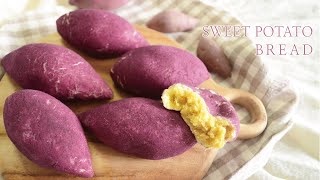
249,101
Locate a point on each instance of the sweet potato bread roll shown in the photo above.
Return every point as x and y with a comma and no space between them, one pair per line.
147,71
99,33
213,57
139,126
47,132
55,70
169,21
212,119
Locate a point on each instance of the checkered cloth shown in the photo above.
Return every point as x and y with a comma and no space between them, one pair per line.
238,159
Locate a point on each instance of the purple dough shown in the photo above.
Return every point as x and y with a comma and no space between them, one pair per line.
99,33
147,71
47,132
55,70
141,127
172,20
219,106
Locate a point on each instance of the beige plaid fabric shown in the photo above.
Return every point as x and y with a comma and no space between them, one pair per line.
237,160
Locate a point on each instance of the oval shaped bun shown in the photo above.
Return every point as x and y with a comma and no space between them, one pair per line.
47,132
99,33
55,70
139,126
147,71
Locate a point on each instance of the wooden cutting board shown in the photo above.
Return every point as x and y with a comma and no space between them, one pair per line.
107,163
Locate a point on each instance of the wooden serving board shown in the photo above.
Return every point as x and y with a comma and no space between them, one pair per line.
107,163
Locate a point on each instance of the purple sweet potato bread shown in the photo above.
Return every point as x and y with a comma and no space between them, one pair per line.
211,118
47,132
147,71
212,55
99,33
139,126
172,21
219,106
55,70
98,4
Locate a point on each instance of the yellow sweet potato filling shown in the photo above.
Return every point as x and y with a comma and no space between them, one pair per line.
210,131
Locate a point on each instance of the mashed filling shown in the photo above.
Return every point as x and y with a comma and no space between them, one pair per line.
210,131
